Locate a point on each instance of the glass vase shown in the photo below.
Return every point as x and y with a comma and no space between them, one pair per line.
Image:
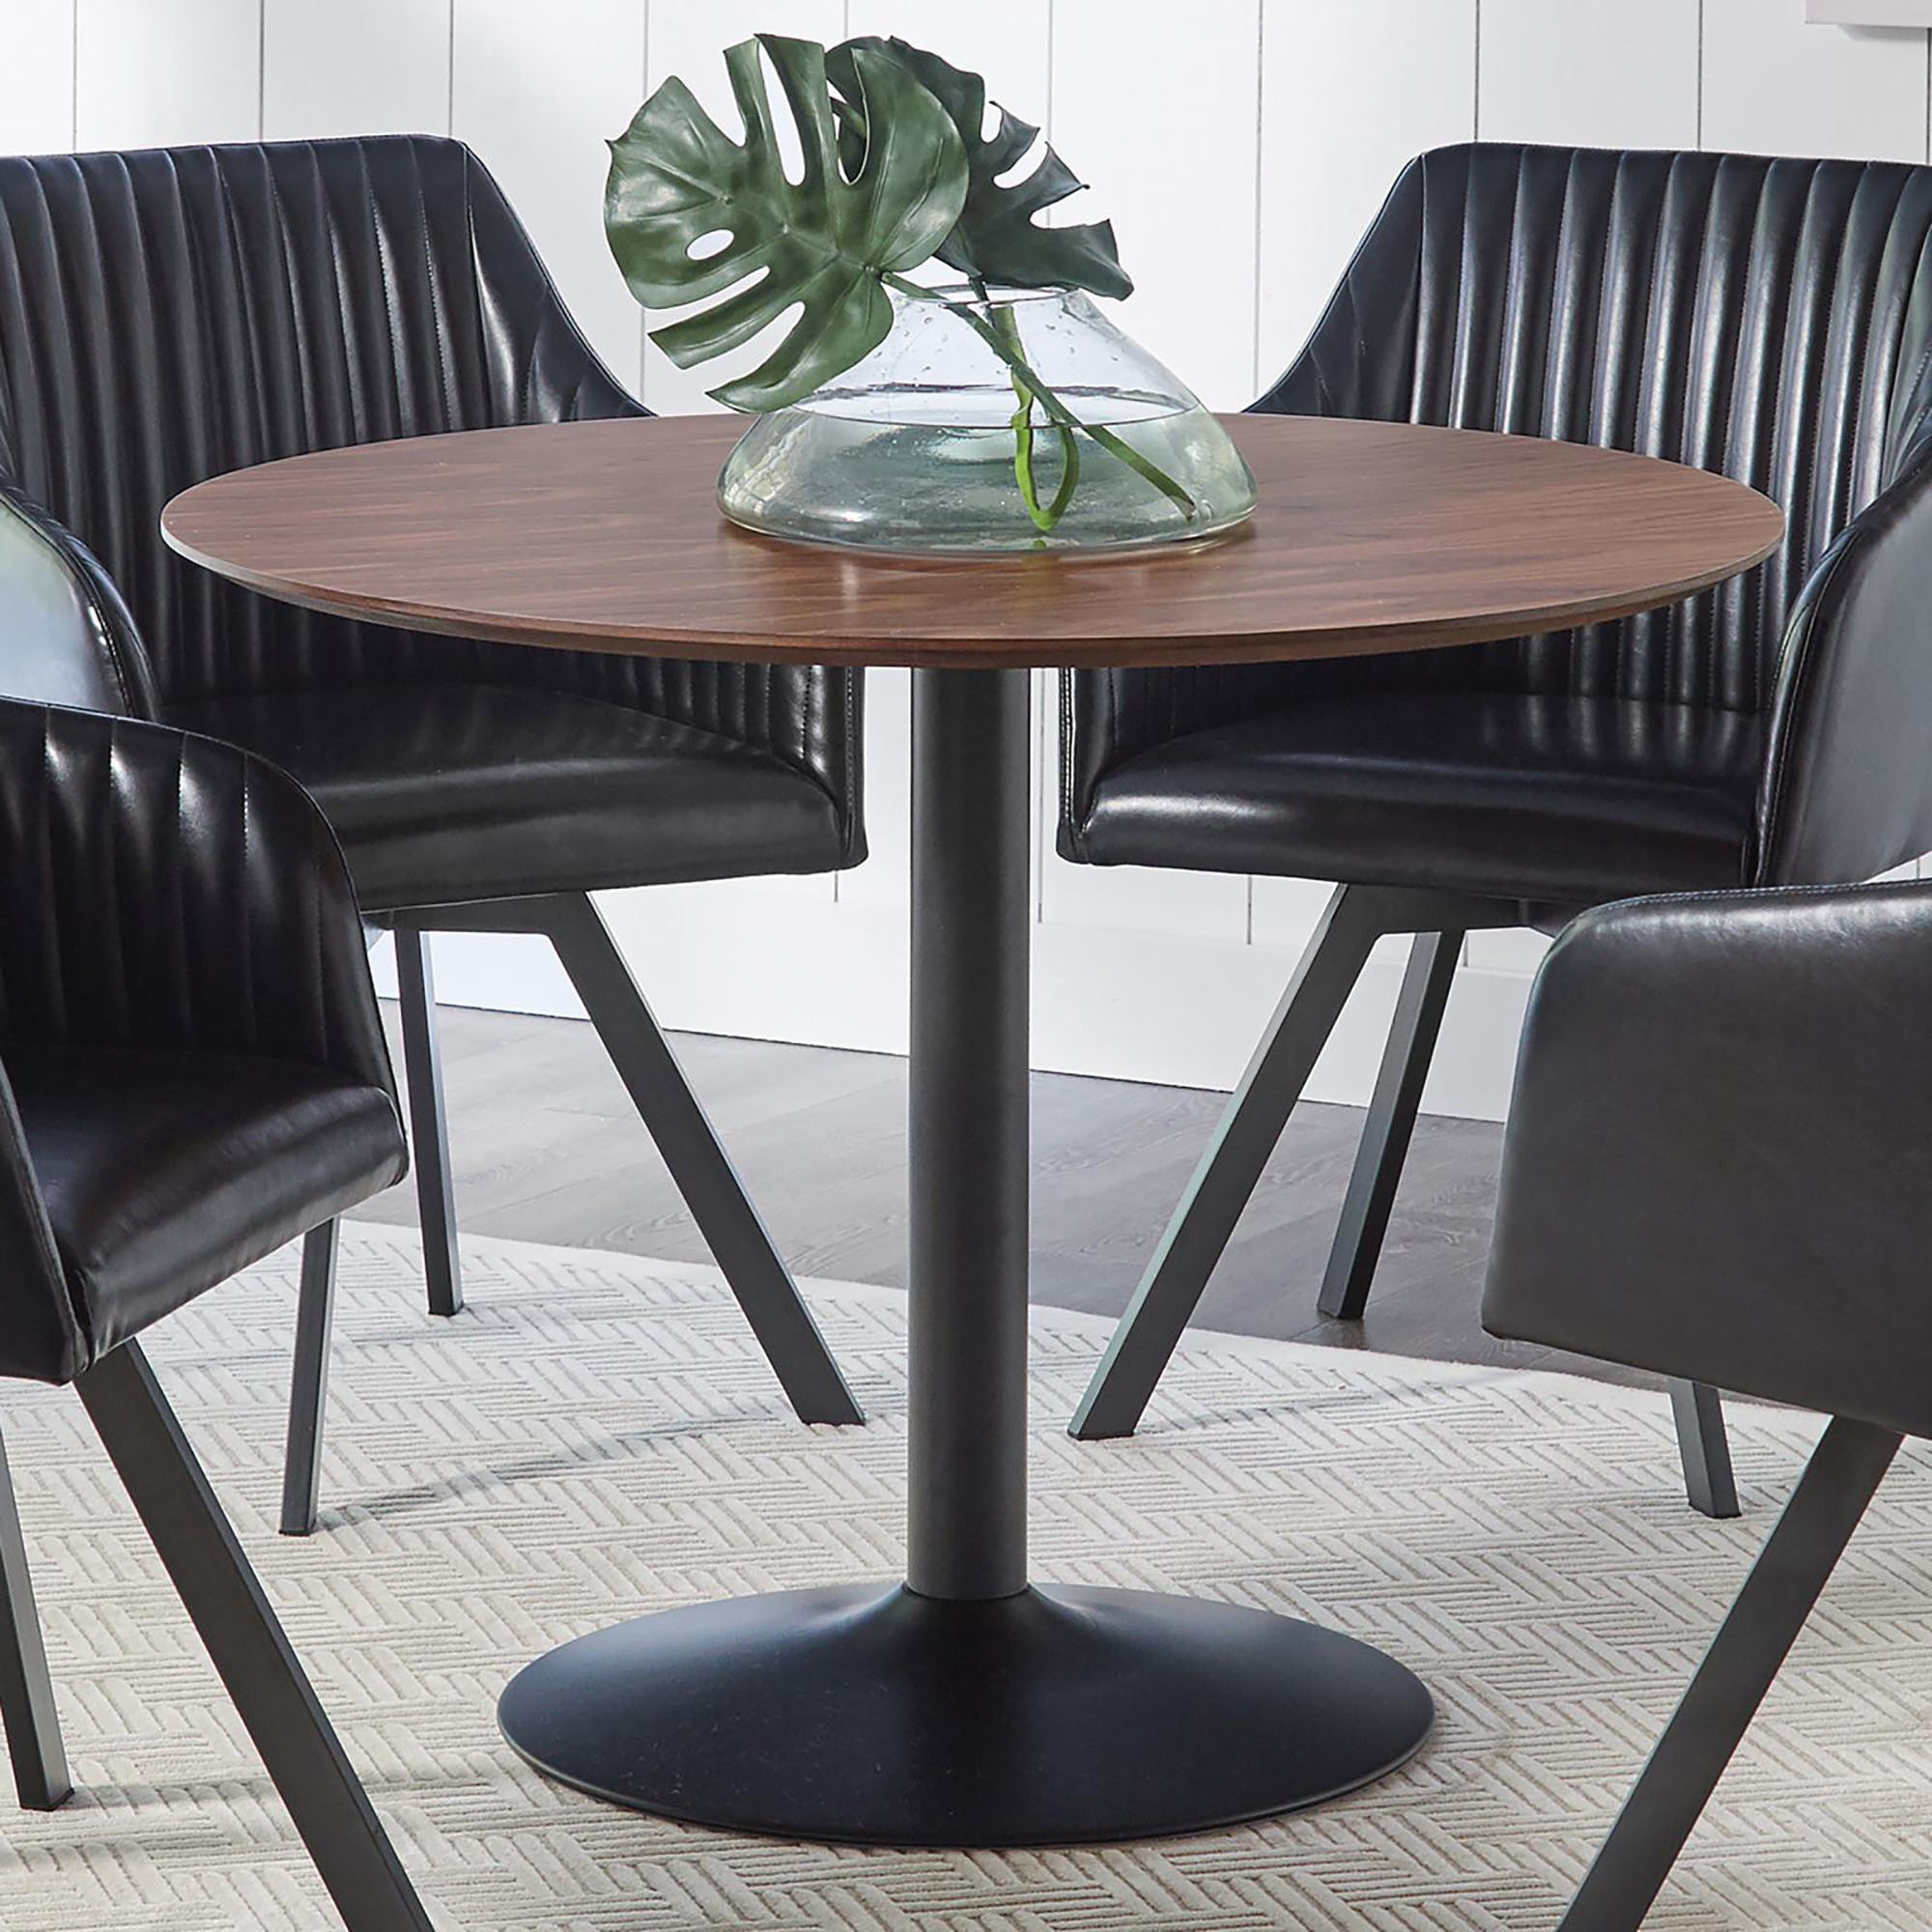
1016,420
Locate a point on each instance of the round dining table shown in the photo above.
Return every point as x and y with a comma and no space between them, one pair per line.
968,1705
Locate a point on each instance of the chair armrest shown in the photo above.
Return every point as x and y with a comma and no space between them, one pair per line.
160,890
40,1336
1718,1162
65,635
1847,786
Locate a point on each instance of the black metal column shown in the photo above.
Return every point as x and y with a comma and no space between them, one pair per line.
968,1135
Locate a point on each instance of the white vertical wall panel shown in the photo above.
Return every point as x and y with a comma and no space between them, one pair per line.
1157,108
1618,73
537,91
1139,898
1003,40
1774,84
37,77
354,66
688,41
150,72
1324,173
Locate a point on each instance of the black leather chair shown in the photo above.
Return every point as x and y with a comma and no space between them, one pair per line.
1756,1070
1769,319
192,1072
168,315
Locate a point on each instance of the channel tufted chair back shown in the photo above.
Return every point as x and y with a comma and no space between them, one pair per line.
1769,319
171,314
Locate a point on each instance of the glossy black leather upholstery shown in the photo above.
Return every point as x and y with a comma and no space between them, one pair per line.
485,794
1578,796
168,315
1769,319
192,1069
1720,1155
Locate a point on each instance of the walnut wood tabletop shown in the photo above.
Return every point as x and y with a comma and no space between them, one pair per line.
606,536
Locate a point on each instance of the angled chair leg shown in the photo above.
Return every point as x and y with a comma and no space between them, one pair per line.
1229,1170
1390,1124
308,1383
698,1165
429,1125
248,1647
26,1690
1838,1483
1711,1486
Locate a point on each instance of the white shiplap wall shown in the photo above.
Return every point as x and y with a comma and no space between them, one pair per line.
1240,146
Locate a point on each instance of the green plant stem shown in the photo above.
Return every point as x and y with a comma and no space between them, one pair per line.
1055,409
1044,515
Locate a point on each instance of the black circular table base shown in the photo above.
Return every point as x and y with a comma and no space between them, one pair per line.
1057,1716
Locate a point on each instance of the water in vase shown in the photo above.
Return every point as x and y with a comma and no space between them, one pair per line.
918,447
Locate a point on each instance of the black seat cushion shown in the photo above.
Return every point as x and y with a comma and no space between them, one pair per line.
443,794
1572,800
164,1172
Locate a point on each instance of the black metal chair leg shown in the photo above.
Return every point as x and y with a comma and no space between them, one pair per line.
1709,1482
1230,1169
1797,1561
198,1546
698,1165
1390,1124
429,1125
26,1690
309,1384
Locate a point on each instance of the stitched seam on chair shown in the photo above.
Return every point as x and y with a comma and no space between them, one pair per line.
1887,888
445,379
1808,451
1699,633
1733,364
1625,658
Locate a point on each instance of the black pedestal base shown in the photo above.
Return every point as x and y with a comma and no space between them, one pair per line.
1053,1718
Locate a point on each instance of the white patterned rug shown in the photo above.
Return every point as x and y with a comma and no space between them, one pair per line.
597,1436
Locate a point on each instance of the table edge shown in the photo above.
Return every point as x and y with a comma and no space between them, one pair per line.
966,651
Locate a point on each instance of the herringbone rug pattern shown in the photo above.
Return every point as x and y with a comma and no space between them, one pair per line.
597,1436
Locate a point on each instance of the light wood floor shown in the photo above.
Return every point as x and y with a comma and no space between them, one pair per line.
546,1148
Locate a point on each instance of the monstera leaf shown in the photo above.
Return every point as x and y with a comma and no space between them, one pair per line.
822,244
996,239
